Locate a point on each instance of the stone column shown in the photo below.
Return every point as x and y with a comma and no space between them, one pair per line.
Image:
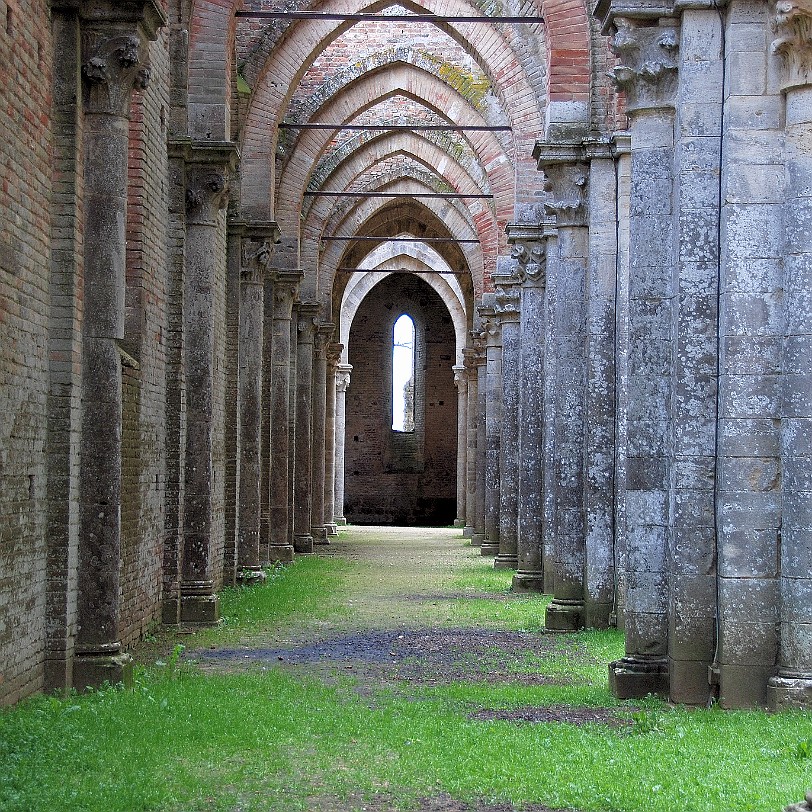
600,402
254,273
303,471
792,687
472,389
567,180
280,507
342,384
529,252
493,418
750,534
333,357
647,72
318,530
478,536
694,405
208,169
113,57
507,306
293,383
461,382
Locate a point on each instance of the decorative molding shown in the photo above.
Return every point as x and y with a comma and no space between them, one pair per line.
207,190
531,258
792,21
567,185
112,68
648,62
508,302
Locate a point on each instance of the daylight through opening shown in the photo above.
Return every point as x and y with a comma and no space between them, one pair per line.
403,374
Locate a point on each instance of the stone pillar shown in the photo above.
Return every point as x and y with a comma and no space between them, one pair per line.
293,383
254,273
792,687
528,251
303,471
461,382
478,536
342,384
113,55
507,306
751,329
600,401
280,506
647,72
493,418
208,169
472,390
567,180
333,358
694,403
318,530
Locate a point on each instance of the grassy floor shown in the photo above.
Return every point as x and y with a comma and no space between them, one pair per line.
265,739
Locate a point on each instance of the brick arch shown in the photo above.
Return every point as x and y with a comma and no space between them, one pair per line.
335,254
212,34
365,93
284,64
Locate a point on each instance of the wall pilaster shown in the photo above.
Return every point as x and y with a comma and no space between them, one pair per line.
472,390
493,419
461,382
334,351
478,535
343,372
318,529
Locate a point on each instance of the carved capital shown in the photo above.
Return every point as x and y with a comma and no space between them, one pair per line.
343,377
112,67
792,22
648,61
306,314
207,188
531,258
334,351
460,376
324,333
567,185
256,261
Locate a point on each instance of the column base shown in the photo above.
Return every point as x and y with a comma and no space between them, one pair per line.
477,539
802,806
248,576
489,547
170,610
332,528
468,532
635,678
564,616
340,521
92,668
200,610
319,535
597,615
528,582
459,522
785,692
504,561
303,544
280,553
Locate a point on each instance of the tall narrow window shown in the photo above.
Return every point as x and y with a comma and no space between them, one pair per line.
403,375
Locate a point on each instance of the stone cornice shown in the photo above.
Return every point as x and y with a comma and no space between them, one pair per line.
607,11
792,21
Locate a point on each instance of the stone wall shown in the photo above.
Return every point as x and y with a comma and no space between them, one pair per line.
392,477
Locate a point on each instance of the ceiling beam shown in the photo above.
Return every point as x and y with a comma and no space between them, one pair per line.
391,18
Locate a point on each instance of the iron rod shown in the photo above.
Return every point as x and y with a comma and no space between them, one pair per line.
396,270
445,195
320,125
399,239
391,18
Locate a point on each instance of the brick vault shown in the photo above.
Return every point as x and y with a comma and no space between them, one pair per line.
597,217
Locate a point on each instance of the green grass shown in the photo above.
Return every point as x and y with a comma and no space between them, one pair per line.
265,739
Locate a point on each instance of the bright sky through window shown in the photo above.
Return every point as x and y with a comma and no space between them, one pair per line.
403,375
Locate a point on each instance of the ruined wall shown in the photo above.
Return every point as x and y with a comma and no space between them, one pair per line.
25,192
387,479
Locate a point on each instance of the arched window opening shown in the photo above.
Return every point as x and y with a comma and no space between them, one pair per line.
403,375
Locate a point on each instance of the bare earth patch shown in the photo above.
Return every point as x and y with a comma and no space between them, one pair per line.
437,803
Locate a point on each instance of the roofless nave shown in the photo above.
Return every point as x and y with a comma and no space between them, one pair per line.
596,218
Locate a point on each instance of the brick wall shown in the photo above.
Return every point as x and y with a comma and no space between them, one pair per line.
25,192
387,478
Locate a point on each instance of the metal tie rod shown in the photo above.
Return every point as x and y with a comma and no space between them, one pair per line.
321,125
444,195
392,18
396,270
400,239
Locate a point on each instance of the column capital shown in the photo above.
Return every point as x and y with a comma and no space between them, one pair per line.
792,22
343,377
113,65
460,376
334,350
508,297
255,261
491,325
645,38
529,250
566,179
210,166
306,315
324,332
286,286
